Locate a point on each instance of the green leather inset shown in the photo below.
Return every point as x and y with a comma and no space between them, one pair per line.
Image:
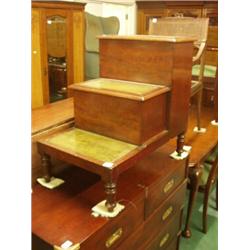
91,145
121,86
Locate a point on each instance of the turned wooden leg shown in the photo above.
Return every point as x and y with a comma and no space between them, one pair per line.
194,175
180,143
110,190
46,165
199,103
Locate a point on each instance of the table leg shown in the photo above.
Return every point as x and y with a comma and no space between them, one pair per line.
180,143
46,165
110,190
194,175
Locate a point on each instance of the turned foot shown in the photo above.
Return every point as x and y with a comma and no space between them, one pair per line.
46,165
180,143
186,233
194,176
110,190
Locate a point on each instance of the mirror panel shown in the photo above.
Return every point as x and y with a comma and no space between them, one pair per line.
57,57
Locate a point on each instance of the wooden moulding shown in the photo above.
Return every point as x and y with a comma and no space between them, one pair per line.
129,111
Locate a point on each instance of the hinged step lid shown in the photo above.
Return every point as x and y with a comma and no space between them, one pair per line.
119,88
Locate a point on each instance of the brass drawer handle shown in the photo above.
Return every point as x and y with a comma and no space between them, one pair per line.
113,238
167,213
168,186
164,240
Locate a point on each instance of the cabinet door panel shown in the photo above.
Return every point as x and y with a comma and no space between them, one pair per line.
37,87
188,12
57,49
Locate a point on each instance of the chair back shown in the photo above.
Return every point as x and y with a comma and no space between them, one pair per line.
184,26
96,26
180,26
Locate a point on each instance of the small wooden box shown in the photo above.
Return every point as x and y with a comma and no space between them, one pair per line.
124,110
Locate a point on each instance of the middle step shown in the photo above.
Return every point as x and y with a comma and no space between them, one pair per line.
129,111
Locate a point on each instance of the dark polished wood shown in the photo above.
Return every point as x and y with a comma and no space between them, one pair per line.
212,179
164,61
53,224
51,116
202,146
46,165
110,190
146,10
174,244
131,118
65,213
158,221
195,174
46,121
169,233
160,175
156,62
180,143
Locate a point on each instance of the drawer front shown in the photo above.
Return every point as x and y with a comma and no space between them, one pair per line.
173,244
164,187
167,235
158,221
168,209
117,230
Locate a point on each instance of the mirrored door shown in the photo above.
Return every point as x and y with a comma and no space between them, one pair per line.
56,29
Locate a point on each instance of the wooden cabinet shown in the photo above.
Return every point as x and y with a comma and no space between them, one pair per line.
57,49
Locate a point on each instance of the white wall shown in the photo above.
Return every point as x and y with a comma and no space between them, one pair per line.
125,10
94,8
